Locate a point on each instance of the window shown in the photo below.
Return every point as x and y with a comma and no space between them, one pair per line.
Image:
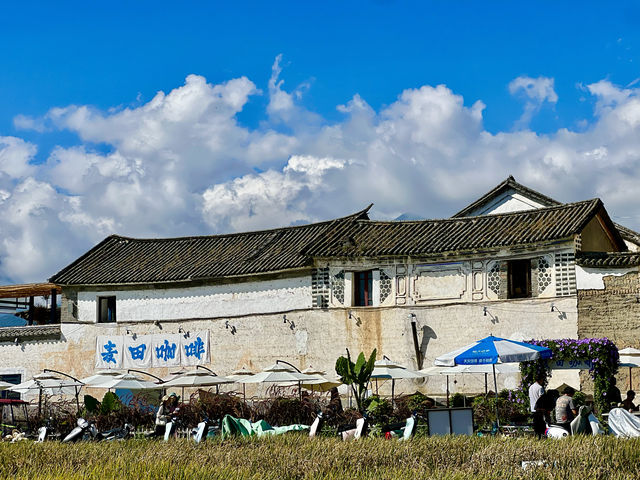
106,309
519,272
14,378
363,288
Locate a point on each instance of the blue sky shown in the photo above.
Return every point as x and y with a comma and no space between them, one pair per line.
531,89
61,53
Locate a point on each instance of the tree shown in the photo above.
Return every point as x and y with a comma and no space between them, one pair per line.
357,375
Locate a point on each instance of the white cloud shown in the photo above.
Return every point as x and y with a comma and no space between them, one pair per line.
536,91
182,164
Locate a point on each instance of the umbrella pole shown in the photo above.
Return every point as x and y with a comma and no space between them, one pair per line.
495,385
393,384
630,387
77,401
300,389
39,401
447,391
486,386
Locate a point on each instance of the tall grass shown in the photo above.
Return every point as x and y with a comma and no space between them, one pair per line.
295,456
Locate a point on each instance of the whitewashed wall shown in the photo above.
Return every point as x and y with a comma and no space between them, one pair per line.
229,300
592,278
320,336
507,202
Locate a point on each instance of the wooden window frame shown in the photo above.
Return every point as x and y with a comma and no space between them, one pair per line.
367,292
516,269
111,307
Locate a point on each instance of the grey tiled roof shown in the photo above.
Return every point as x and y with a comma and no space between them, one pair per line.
511,184
122,260
462,235
609,259
30,332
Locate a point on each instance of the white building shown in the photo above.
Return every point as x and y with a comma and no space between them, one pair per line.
413,290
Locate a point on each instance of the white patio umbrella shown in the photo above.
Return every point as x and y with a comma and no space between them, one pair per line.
129,381
278,373
322,384
100,377
196,378
46,383
629,357
50,384
238,375
5,385
387,370
490,351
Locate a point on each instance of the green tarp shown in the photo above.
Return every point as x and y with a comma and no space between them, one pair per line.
241,426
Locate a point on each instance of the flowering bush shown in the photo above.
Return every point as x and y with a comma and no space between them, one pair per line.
600,353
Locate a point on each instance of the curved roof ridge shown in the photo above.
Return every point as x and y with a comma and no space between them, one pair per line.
356,216
510,182
595,201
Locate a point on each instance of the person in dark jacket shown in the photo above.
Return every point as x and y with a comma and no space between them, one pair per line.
542,414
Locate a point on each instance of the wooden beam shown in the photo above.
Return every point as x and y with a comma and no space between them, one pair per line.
28,290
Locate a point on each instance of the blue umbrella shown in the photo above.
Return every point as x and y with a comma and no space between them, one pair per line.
492,350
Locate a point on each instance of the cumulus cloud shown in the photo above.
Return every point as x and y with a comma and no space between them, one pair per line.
535,91
182,164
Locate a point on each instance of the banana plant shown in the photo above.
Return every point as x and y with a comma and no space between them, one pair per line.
357,375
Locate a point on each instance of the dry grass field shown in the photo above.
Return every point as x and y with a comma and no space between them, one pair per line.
295,456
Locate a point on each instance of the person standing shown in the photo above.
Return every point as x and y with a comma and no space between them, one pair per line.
565,409
536,390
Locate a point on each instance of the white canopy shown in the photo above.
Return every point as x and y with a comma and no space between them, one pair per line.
48,383
321,384
240,373
386,369
277,373
130,382
5,385
100,377
197,378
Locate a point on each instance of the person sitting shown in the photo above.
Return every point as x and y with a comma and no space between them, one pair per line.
613,394
565,409
627,403
167,407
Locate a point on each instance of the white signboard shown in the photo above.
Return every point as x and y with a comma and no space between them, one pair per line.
159,350
194,348
166,350
137,351
109,351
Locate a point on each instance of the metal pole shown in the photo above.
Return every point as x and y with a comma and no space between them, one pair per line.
202,367
447,391
54,305
287,363
72,378
146,373
495,384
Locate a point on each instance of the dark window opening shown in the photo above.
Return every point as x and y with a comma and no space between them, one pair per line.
363,288
106,309
15,379
519,278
